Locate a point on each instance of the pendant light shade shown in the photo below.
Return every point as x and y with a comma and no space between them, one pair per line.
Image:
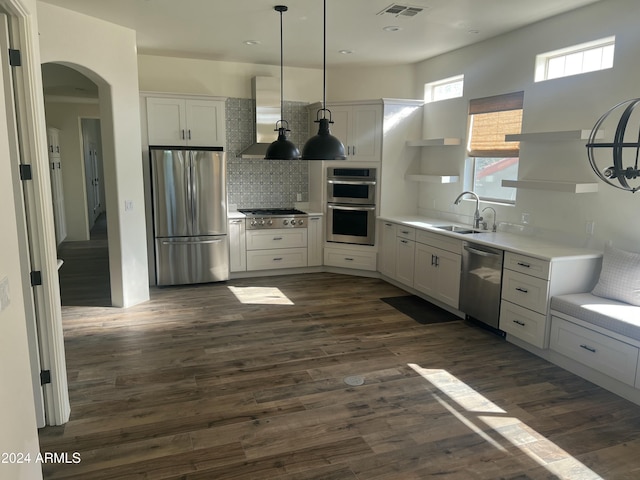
282,148
324,146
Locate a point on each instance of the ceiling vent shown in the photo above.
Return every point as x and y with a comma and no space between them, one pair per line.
398,10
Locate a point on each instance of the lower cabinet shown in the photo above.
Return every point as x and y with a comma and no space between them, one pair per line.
387,248
600,352
405,255
360,259
437,273
276,248
315,239
237,245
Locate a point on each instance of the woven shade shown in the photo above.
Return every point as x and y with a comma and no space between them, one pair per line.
491,119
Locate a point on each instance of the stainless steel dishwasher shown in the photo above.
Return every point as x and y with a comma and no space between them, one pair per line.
481,282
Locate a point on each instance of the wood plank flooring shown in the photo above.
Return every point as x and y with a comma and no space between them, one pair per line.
195,384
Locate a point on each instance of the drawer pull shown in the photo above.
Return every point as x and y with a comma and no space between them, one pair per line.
523,290
348,259
525,265
404,241
587,347
405,232
277,259
518,322
277,238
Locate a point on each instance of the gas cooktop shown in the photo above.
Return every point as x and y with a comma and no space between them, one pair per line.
274,218
270,212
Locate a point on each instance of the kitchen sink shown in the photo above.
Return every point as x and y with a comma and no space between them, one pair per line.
457,229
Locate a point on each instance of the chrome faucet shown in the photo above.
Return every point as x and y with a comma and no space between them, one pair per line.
476,215
494,228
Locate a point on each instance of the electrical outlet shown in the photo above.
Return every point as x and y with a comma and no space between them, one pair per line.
590,227
298,197
526,218
128,205
5,297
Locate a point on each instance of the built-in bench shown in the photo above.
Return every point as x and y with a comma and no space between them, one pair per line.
600,338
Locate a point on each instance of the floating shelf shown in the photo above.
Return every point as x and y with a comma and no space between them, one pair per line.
569,187
552,136
432,178
434,142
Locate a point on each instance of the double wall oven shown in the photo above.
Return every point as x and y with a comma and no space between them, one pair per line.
351,205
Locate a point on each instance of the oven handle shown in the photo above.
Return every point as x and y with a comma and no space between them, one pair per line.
345,207
351,182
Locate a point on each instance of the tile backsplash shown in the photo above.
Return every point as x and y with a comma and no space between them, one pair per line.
257,183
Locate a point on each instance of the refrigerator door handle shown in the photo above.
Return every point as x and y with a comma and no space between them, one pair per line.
194,193
191,242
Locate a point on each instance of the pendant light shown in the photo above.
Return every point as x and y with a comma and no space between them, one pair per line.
282,148
323,146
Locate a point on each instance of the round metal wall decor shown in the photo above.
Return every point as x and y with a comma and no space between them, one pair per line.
616,162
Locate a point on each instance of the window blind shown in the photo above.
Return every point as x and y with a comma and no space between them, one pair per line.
491,118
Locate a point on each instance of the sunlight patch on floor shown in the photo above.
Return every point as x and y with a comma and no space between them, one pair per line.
260,295
477,413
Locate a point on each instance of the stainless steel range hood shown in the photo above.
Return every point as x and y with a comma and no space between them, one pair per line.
266,92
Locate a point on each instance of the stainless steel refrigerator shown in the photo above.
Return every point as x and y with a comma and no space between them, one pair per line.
189,215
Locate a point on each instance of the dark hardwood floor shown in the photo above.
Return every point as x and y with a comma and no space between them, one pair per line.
245,380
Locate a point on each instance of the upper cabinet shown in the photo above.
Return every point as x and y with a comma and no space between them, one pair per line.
359,128
176,121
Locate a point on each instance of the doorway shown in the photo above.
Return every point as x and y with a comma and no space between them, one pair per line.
72,108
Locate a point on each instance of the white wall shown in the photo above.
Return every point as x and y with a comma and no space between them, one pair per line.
106,53
365,83
505,64
66,117
224,79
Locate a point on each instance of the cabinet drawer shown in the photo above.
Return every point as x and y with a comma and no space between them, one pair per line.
529,265
605,354
523,324
438,240
272,259
525,290
336,257
406,232
276,238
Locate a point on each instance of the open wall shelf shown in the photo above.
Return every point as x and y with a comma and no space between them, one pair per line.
552,186
434,142
432,178
552,136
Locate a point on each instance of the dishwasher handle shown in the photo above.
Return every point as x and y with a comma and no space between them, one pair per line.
482,252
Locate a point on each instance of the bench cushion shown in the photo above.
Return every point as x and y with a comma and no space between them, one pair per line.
612,315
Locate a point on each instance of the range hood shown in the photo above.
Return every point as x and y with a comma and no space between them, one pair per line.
266,92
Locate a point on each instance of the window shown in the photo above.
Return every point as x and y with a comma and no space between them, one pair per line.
491,158
444,89
583,58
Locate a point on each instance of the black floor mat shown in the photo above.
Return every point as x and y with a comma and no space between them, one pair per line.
420,310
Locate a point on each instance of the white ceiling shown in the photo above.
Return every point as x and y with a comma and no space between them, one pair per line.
217,30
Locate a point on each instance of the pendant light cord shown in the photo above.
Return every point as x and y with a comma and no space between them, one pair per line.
281,69
324,62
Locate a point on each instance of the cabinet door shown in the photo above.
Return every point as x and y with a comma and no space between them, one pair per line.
425,275
387,260
366,131
53,142
340,128
448,266
314,241
405,252
237,245
167,121
205,123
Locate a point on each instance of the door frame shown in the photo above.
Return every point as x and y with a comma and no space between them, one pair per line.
31,143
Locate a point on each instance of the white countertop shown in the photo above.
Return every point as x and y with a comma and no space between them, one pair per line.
511,242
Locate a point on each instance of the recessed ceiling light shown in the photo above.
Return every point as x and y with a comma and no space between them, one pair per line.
252,42
345,52
392,28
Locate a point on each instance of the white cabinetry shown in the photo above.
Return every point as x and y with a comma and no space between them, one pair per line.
237,245
405,254
438,263
346,257
57,188
600,352
186,122
528,283
315,238
359,127
276,248
387,258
